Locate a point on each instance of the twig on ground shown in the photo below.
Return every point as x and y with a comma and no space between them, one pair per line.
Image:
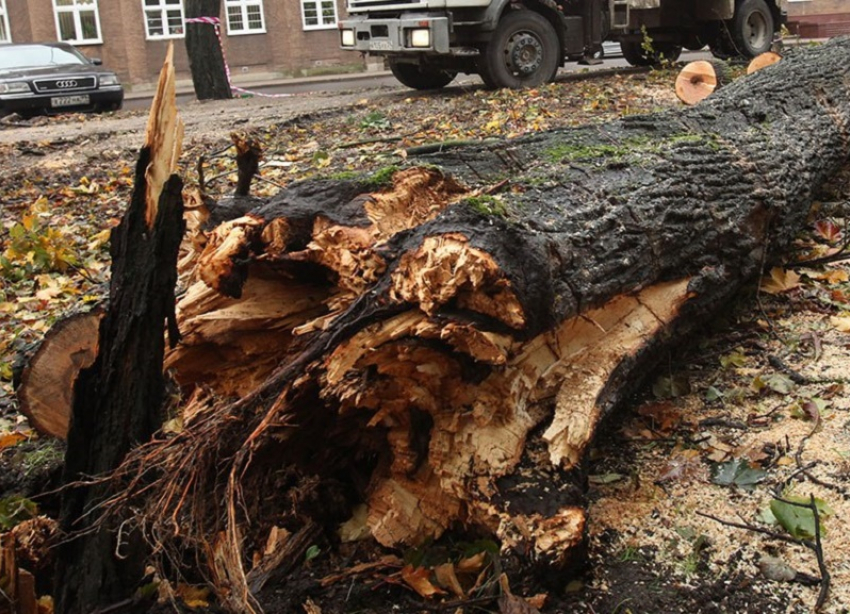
815,546
778,364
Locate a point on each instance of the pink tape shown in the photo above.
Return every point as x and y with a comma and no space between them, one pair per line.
216,23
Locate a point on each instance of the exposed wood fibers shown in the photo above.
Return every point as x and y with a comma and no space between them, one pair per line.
410,364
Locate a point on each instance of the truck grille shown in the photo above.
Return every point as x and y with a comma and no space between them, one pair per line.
361,5
65,84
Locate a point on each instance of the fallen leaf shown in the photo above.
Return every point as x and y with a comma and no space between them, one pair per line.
193,596
664,415
798,520
828,230
446,578
737,472
419,579
311,608
840,323
7,440
779,281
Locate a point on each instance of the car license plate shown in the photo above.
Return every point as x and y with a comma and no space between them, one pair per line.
69,101
381,46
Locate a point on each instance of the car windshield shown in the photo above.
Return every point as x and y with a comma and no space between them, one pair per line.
29,56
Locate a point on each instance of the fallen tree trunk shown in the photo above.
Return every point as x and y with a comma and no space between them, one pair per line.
443,345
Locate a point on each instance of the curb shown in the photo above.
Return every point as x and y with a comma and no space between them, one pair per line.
186,87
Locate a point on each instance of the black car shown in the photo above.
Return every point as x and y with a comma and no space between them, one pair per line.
54,78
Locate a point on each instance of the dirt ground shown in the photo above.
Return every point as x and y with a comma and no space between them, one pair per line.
754,407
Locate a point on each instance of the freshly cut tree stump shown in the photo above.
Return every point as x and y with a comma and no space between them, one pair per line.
700,79
768,58
47,381
440,344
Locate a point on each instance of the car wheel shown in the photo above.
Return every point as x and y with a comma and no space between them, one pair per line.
524,52
751,29
421,77
636,55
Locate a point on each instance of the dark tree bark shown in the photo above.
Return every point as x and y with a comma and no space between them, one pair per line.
118,400
206,60
443,347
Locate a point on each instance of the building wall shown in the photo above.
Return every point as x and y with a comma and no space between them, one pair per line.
819,18
801,8
285,47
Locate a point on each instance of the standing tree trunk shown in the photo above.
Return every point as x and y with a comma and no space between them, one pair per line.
118,400
206,58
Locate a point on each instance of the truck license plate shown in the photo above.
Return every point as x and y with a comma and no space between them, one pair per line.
380,46
69,101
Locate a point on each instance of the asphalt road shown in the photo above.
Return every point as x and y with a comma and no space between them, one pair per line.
347,83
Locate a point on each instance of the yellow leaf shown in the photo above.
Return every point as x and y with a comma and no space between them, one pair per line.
780,280
831,276
100,239
28,221
45,605
193,596
840,323
7,440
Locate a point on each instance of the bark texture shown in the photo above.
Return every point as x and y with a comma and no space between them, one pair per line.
439,348
118,400
206,59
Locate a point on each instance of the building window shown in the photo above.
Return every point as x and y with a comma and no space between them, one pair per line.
163,18
5,33
77,21
318,14
245,16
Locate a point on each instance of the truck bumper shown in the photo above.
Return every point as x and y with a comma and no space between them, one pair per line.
395,36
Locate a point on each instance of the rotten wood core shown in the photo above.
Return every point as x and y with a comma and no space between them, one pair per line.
444,355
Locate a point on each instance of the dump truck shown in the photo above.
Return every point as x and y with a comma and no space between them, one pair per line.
522,43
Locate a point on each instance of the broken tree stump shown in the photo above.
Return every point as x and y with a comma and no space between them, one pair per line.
441,343
118,399
47,380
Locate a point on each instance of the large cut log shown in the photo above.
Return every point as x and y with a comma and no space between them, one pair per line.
118,399
443,346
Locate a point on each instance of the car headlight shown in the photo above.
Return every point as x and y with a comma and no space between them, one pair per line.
14,87
420,37
109,80
347,38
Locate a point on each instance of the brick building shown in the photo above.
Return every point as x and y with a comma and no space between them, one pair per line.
130,36
819,18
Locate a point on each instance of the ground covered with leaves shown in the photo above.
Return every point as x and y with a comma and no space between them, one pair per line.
721,488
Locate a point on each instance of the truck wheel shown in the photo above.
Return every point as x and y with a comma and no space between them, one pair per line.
421,77
636,55
752,28
524,52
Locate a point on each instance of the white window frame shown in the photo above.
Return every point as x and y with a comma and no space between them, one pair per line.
75,8
320,25
4,21
243,6
163,9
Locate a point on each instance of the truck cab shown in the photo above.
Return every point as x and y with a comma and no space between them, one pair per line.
522,43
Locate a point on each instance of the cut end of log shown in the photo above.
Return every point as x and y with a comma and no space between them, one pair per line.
768,58
46,390
164,136
699,79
